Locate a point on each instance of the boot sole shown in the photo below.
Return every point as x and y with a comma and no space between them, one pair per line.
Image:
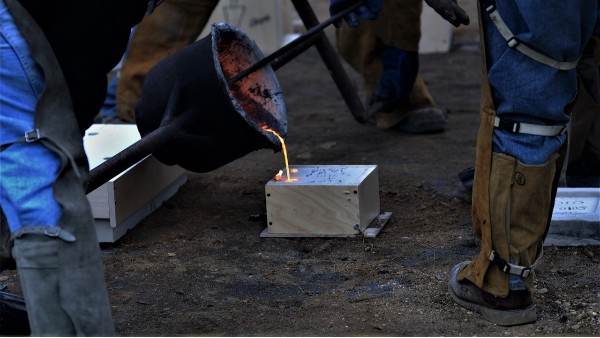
500,317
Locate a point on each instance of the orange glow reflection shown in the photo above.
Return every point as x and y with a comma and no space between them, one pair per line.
278,177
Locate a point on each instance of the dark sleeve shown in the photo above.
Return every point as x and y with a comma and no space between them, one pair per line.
88,38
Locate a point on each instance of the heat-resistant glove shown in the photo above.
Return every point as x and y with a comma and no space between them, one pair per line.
218,122
366,11
449,10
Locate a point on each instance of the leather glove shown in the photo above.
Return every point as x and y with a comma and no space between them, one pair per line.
366,11
449,10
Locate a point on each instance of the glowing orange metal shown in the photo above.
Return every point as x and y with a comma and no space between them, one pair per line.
287,166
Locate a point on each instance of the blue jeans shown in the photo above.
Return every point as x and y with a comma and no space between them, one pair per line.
525,90
27,170
109,106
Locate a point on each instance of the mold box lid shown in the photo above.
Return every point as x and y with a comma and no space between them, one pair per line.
323,175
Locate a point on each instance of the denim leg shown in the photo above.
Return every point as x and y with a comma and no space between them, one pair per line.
109,106
525,90
27,170
400,68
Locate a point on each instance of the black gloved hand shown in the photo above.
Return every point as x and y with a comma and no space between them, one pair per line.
215,123
367,11
449,10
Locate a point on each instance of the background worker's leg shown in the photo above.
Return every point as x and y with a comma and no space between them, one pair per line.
385,53
172,26
516,174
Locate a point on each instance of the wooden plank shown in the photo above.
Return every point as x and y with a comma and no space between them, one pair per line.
109,233
133,194
138,185
99,202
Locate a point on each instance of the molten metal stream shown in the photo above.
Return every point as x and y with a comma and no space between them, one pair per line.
287,166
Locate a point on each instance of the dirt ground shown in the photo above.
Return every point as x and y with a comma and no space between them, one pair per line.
198,267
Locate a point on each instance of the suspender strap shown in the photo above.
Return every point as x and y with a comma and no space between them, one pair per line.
513,42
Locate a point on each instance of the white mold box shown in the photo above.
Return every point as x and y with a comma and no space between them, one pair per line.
575,217
436,33
121,203
328,200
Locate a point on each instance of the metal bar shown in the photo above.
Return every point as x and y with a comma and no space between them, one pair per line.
332,61
284,59
134,153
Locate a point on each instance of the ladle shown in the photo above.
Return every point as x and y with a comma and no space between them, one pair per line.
172,127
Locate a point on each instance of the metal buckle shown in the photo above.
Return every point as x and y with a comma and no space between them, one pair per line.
509,126
563,130
513,42
32,135
52,231
55,231
490,6
526,272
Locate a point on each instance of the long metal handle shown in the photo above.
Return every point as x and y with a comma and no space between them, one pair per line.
145,146
134,153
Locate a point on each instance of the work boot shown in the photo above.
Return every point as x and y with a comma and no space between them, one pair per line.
498,283
423,121
13,315
515,309
418,116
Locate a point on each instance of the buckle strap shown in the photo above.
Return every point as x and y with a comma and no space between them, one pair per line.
32,135
528,128
513,42
36,134
50,231
29,136
514,269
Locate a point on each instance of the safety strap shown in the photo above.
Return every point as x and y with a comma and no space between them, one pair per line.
513,42
528,128
34,135
50,231
30,136
514,269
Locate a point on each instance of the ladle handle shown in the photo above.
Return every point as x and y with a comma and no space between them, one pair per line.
293,44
